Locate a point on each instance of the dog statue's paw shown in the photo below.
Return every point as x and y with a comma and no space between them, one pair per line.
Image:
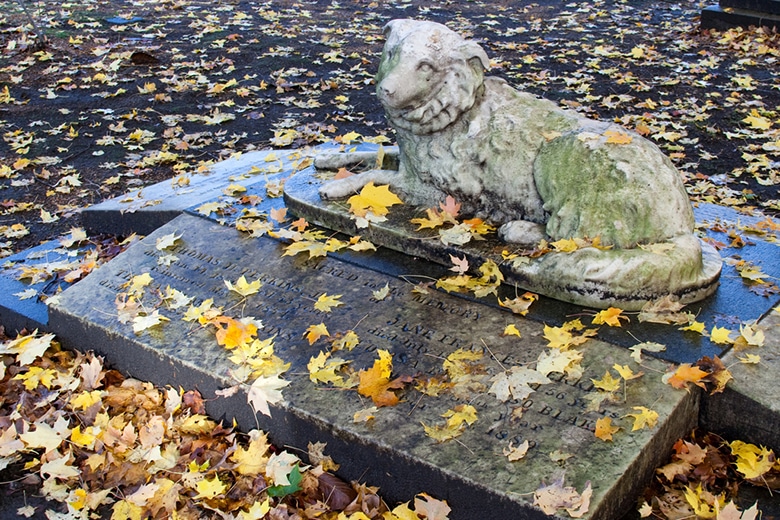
339,188
522,232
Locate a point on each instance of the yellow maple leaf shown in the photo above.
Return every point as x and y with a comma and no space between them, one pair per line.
144,322
347,341
752,461
644,418
515,453
511,330
322,369
251,460
29,348
557,360
565,245
478,227
605,429
608,383
558,337
617,137
703,502
695,326
626,372
376,383
432,221
757,121
348,137
326,303
257,510
86,399
520,304
243,287
37,376
611,317
80,499
126,509
458,419
751,336
373,198
84,439
315,332
721,335
137,284
232,333
750,359
210,488
166,241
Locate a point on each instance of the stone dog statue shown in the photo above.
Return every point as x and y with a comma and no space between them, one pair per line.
534,169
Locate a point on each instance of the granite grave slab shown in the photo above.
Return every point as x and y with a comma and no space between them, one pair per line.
741,13
391,450
26,280
144,210
749,408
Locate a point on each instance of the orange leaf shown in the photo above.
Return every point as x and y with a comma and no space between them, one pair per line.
376,384
686,373
611,317
234,332
605,429
617,137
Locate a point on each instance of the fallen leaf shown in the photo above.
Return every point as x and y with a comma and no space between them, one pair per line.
644,418
373,198
315,332
265,391
515,453
605,429
244,287
326,303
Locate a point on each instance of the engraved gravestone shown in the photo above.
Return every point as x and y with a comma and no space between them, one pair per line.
420,332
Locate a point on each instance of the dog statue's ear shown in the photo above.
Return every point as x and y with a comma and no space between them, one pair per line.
472,50
397,30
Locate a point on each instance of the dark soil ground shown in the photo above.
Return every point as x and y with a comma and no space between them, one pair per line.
103,97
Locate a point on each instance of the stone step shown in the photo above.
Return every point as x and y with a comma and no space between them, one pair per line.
749,408
761,6
724,18
144,210
420,331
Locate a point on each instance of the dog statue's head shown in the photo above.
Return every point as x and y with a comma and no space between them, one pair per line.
428,75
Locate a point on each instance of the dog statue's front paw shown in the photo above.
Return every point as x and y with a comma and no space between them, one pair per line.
522,232
337,189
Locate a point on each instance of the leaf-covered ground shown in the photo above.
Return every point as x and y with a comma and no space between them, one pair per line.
123,94
103,106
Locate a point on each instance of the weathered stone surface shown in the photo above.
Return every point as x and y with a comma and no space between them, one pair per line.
420,330
762,6
580,277
144,210
537,171
749,408
725,17
17,311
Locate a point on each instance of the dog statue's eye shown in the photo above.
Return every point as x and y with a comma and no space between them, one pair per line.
425,67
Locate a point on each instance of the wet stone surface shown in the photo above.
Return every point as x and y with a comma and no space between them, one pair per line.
420,331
